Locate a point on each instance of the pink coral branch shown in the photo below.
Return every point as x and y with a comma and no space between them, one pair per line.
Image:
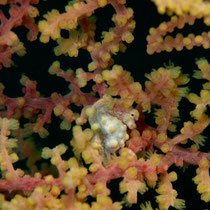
25,184
19,15
180,155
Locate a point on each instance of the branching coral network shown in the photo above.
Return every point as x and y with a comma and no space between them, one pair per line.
105,112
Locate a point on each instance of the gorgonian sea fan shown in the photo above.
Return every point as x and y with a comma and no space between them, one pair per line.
110,142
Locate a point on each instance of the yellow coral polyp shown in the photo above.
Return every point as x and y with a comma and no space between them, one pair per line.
73,52
193,98
102,3
82,83
65,125
128,154
42,25
132,172
73,163
163,26
49,179
165,148
9,176
123,163
89,111
204,163
203,64
69,182
74,177
96,206
12,123
98,78
93,167
54,160
20,101
58,109
198,39
162,137
99,188
87,156
187,126
128,37
132,187
108,37
187,41
81,195
61,148
155,159
95,127
14,157
173,176
114,49
205,95
136,86
106,57
92,66
104,200
44,38
120,20
54,68
46,153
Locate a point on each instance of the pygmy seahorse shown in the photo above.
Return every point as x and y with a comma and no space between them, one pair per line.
109,120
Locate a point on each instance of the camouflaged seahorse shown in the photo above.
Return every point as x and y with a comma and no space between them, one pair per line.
109,120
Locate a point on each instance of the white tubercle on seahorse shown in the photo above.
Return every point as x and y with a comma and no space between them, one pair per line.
110,124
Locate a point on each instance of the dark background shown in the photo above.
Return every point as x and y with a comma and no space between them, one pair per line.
40,56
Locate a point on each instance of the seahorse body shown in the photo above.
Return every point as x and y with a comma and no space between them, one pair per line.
110,124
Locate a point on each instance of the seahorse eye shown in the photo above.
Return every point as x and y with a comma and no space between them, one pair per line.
132,115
